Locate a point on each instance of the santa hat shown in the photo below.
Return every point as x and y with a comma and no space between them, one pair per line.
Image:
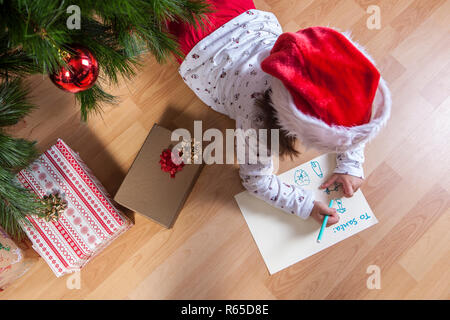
326,90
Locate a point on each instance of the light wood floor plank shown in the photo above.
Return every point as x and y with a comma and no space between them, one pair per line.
210,253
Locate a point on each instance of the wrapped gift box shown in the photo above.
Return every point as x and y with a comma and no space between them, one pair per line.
13,263
90,222
152,192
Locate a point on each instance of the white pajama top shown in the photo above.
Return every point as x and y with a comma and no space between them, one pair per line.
224,71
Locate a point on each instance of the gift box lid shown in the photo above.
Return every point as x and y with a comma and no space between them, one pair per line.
150,191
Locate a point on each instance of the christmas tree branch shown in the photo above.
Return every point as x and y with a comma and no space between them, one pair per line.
16,153
111,56
15,204
91,100
30,26
33,35
33,38
13,102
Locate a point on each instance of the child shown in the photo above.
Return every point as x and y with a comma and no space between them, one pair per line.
315,85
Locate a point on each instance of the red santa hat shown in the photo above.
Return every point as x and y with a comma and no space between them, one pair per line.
326,89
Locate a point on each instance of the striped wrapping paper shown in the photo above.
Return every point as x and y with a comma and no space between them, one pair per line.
90,222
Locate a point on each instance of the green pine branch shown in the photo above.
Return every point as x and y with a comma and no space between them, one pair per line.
15,204
15,154
13,102
33,34
91,100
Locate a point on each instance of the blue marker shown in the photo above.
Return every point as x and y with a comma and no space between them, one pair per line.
324,223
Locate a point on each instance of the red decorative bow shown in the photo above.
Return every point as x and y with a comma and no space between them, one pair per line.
167,165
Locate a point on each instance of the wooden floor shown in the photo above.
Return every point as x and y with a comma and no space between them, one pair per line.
210,253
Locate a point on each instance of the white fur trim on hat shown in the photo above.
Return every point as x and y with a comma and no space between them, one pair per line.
316,133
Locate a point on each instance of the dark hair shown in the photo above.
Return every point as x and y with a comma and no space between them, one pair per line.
287,142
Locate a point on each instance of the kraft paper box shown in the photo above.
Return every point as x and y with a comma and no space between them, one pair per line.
150,191
90,222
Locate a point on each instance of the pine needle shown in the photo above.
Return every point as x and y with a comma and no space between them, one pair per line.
91,101
15,203
13,102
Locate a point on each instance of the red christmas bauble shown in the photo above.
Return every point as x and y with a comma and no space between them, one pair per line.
82,71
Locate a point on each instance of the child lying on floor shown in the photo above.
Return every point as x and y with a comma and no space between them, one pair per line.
315,85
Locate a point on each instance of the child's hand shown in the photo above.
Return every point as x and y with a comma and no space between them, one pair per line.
350,183
320,210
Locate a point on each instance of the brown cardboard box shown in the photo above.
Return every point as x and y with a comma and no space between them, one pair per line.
150,191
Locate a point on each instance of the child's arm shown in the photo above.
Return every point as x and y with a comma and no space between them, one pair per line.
321,210
261,182
351,162
349,171
258,178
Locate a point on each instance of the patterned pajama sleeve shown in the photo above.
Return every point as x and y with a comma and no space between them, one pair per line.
351,162
259,180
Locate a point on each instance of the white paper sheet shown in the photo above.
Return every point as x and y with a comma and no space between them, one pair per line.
285,239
